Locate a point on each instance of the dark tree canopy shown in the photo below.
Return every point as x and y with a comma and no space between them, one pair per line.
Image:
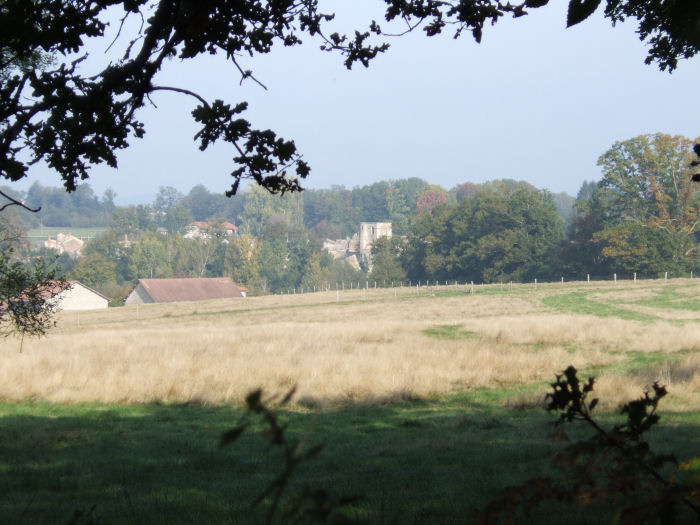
51,110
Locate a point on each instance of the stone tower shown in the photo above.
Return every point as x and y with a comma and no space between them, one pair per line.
370,232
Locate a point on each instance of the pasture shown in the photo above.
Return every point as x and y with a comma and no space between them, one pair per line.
429,400
37,236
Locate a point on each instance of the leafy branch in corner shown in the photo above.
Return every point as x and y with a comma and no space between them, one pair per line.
26,292
310,505
613,466
56,110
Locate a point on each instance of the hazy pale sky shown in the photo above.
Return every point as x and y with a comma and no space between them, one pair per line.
534,101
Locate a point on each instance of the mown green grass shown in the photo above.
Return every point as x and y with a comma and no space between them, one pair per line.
579,303
449,332
669,297
427,461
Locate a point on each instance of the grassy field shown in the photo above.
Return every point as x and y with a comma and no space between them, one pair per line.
37,236
428,401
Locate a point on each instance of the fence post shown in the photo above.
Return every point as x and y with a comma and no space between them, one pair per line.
665,276
562,280
635,277
535,283
615,278
471,287
588,278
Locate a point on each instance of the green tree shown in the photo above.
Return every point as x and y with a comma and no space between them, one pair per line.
371,202
204,204
177,218
242,260
506,231
386,260
176,250
148,257
95,270
331,212
317,271
399,211
166,198
582,255
565,207
649,206
285,252
133,220
261,206
108,200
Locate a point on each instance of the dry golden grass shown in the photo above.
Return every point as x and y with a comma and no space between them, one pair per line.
351,346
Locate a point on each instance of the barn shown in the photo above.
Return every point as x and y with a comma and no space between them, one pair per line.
74,295
174,290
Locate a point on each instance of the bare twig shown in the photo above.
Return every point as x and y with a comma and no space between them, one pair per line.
247,74
15,202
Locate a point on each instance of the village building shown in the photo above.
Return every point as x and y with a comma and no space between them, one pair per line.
125,242
200,229
358,247
74,295
65,244
175,290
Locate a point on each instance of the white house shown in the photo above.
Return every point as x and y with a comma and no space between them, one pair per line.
77,296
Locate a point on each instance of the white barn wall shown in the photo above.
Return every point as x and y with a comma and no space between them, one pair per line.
79,297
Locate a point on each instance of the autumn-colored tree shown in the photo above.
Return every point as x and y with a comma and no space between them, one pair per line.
464,191
650,206
429,200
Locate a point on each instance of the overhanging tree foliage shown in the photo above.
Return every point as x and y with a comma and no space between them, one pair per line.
73,120
25,288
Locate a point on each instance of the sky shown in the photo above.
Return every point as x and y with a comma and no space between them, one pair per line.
534,101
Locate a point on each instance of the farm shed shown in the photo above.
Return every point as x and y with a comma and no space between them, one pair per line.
76,296
173,290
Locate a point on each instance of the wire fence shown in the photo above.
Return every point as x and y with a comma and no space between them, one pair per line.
343,291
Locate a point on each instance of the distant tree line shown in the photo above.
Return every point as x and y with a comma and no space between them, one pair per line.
642,217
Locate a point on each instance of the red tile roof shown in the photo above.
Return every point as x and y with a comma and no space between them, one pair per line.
172,290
